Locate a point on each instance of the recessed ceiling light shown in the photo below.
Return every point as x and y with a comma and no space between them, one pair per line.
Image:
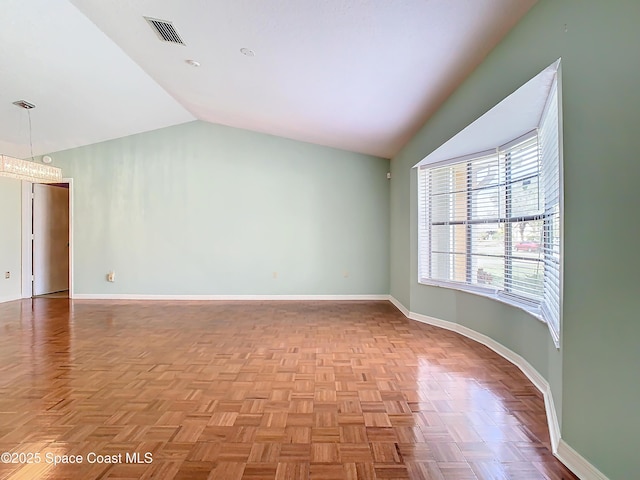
248,52
193,63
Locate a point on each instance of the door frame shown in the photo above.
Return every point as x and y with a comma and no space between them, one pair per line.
27,244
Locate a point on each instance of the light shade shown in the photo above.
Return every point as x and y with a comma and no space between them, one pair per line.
30,171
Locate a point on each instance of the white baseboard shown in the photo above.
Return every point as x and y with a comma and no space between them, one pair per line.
399,306
568,456
577,463
123,296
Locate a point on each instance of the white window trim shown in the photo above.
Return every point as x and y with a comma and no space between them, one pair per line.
534,308
531,306
493,293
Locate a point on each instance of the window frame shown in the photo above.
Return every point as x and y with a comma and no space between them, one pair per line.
541,308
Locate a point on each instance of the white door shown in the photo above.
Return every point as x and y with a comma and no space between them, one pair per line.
50,239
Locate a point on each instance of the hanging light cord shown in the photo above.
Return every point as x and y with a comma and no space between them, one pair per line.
30,134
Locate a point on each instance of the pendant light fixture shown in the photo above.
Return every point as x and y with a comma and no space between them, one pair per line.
24,169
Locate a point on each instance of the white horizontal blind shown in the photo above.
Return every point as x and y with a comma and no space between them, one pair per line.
491,222
549,147
461,206
481,221
524,267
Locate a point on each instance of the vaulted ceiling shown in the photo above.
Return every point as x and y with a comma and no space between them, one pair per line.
359,75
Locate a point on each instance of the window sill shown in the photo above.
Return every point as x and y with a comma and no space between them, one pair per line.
531,307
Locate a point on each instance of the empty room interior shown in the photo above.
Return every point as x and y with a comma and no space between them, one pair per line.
329,240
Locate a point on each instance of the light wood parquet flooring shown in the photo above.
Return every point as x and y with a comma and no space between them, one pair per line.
260,390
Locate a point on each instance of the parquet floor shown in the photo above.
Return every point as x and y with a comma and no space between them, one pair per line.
259,390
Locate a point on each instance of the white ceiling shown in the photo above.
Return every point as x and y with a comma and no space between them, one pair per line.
360,75
516,115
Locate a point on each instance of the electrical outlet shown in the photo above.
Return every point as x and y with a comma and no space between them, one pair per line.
275,274
345,274
111,277
7,274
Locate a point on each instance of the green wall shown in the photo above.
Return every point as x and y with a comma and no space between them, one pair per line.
203,209
10,238
199,209
595,376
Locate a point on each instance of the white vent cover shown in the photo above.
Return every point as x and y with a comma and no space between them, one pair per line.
165,30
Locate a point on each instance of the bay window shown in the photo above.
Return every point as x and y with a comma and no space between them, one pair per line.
490,222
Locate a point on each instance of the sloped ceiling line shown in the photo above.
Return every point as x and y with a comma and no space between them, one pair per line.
356,75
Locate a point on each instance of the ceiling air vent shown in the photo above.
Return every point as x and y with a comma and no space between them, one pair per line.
165,30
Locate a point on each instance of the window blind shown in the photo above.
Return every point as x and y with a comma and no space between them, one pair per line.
550,156
490,222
